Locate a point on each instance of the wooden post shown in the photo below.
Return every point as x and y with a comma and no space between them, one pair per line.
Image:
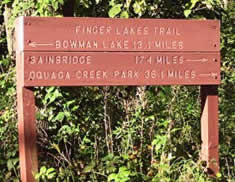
26,126
27,134
209,128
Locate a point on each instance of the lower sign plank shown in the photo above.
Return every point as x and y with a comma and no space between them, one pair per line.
117,68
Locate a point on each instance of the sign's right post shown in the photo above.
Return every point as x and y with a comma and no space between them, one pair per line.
209,128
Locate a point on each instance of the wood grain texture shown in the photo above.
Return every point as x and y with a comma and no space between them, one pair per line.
209,128
27,134
26,126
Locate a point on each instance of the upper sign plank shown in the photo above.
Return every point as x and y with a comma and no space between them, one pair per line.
104,34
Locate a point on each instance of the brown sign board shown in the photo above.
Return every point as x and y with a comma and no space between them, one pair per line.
117,68
102,51
104,34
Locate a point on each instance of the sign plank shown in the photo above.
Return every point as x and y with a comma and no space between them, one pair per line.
116,68
103,34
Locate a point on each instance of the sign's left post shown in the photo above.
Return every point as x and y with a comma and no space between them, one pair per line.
26,113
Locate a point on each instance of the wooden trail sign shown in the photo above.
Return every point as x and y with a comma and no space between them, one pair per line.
102,51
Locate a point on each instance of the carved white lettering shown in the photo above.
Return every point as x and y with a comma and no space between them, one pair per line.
181,74
74,44
181,45
40,60
163,59
53,76
83,59
96,29
177,59
150,74
57,44
60,75
51,59
132,31
93,74
118,44
164,44
138,44
65,44
169,31
40,75
193,74
32,75
58,59
132,74
32,60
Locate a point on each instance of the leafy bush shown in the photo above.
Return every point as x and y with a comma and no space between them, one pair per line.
118,134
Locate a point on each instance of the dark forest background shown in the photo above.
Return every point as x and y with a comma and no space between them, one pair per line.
148,133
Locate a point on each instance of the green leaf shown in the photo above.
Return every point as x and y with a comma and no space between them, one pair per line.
61,2
59,117
55,146
50,170
124,14
51,175
43,170
125,156
187,12
137,7
115,10
218,175
9,165
55,5
6,1
89,167
37,176
112,177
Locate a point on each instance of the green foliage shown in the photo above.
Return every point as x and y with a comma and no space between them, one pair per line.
119,133
115,10
48,7
123,175
227,93
196,5
45,174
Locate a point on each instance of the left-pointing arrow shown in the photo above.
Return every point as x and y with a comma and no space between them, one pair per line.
34,44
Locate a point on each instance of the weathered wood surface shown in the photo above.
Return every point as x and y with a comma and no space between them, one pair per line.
104,34
210,128
26,123
26,127
27,134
